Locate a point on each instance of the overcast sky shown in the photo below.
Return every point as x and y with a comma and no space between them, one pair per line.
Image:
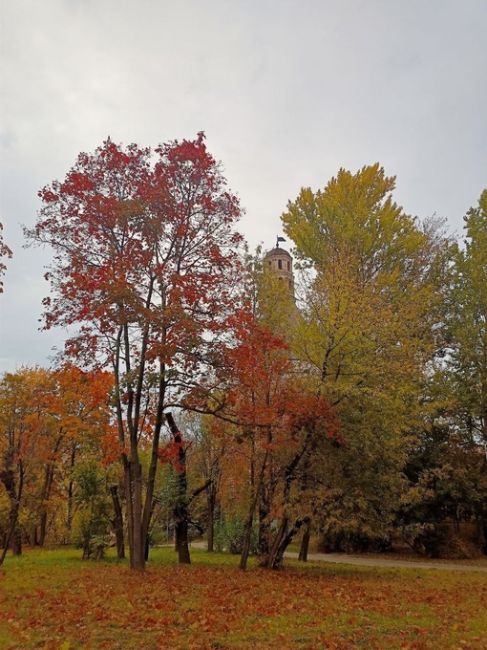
286,91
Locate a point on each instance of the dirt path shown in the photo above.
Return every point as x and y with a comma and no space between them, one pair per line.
358,560
343,558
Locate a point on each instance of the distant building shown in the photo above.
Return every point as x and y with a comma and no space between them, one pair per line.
280,263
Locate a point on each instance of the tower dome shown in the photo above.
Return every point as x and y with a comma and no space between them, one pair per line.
280,263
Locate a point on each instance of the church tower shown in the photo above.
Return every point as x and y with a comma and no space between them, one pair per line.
280,263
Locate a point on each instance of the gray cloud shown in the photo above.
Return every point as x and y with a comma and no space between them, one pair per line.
287,92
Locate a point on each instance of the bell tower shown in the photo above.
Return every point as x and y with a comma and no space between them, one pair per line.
279,262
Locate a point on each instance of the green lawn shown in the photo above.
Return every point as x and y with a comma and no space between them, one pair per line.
53,600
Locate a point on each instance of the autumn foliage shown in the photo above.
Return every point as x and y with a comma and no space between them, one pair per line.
145,264
213,605
204,391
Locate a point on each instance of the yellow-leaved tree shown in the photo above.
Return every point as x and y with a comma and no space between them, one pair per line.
366,335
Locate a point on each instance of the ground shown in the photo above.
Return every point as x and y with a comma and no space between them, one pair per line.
53,600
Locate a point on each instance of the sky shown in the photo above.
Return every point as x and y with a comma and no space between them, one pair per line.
287,92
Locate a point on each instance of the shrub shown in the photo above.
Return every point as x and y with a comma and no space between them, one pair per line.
229,536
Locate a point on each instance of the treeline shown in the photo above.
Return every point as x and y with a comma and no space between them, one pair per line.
199,395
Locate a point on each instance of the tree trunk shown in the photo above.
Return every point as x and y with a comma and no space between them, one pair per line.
133,504
264,526
147,536
181,513
8,479
134,511
303,551
46,492
211,519
275,551
247,538
154,461
117,522
69,513
147,547
285,534
182,539
282,541
17,541
250,517
42,528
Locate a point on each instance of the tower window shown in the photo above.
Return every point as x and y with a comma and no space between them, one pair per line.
289,266
279,264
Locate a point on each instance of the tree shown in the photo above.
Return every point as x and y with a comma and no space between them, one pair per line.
356,214
462,371
307,423
5,252
367,333
257,364
76,412
443,513
46,418
145,266
278,424
176,453
92,517
467,324
212,445
21,428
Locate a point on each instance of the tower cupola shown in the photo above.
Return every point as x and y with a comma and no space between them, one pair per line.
280,263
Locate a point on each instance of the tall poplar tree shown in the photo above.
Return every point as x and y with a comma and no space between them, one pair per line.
367,328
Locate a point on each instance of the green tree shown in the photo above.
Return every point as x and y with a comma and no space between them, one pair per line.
367,332
467,324
92,520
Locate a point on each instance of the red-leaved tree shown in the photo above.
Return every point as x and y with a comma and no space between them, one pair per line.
257,366
145,267
282,421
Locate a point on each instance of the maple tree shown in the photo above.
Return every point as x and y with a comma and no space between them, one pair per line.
307,423
279,423
258,364
47,418
144,264
5,253
77,413
21,428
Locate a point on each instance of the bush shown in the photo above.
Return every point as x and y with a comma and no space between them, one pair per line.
91,532
229,536
91,525
444,540
351,540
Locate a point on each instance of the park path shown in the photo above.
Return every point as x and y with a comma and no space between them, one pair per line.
357,560
343,558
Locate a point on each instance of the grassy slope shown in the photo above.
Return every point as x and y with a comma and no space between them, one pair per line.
51,599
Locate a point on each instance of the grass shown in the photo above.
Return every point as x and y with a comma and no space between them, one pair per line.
53,600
